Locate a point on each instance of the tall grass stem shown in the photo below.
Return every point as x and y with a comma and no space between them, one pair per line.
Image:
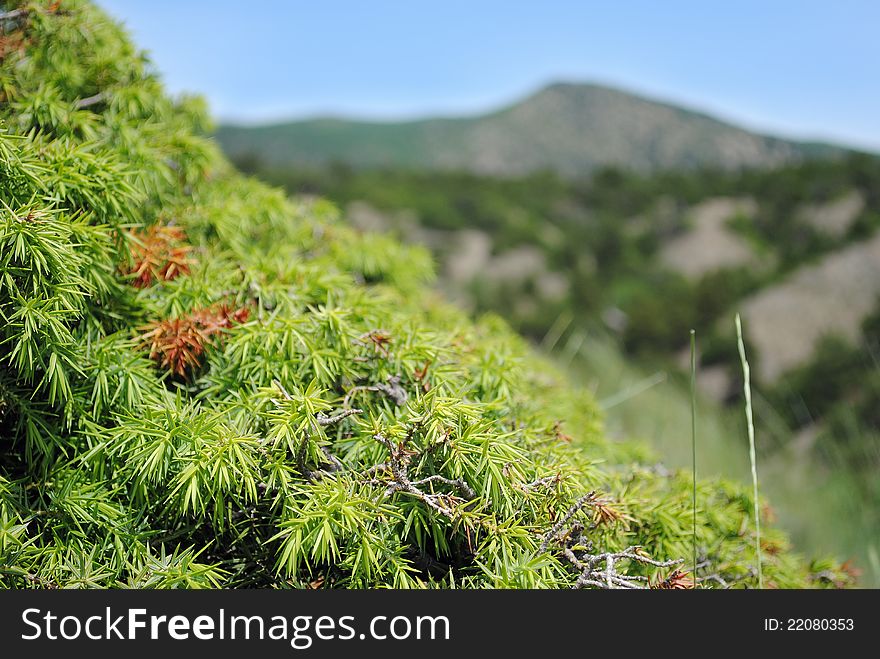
747,391
694,440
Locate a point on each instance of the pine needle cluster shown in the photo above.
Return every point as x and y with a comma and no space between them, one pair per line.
206,384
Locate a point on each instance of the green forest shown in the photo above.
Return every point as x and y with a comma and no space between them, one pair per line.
207,382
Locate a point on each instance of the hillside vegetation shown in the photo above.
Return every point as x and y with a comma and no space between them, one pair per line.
572,129
626,262
205,384
671,251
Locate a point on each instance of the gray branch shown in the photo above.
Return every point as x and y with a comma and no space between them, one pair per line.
597,570
578,505
390,388
13,15
593,573
398,463
547,481
459,484
89,101
324,420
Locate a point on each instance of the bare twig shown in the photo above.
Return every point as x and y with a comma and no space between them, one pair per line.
15,14
34,579
398,464
355,390
391,388
335,463
458,483
716,578
283,391
600,570
577,506
324,420
547,481
89,101
375,469
594,573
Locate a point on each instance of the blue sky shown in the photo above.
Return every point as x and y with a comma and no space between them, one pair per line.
802,69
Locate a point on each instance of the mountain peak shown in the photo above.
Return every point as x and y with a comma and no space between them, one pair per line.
571,127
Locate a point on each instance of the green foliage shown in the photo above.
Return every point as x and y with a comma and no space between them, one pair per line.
603,234
332,424
840,387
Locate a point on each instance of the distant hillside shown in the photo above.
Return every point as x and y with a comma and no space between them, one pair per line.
572,128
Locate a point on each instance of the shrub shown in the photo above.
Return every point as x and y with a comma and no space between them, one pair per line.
206,384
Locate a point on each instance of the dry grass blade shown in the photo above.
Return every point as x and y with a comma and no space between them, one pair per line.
747,391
